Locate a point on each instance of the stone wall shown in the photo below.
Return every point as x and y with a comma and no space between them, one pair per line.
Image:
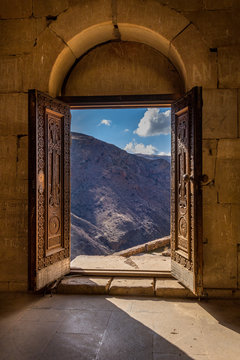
41,40
131,67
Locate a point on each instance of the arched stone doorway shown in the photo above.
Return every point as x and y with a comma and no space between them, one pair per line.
186,64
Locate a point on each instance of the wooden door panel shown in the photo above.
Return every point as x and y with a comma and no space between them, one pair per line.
49,189
186,199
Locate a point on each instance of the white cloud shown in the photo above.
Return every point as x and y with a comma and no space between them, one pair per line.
162,153
135,148
105,122
126,130
154,122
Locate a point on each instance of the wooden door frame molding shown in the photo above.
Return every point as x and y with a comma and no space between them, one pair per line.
119,101
191,102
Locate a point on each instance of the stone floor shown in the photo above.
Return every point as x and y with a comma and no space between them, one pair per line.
82,327
154,261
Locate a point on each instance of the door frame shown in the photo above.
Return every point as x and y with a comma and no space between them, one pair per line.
158,100
126,101
119,101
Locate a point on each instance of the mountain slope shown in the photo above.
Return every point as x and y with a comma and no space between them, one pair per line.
118,200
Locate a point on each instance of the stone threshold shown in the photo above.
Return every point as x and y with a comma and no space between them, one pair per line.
123,286
121,273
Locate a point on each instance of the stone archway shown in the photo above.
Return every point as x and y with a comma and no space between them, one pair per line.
149,23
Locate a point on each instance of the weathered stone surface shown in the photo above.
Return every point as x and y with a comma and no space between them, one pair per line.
151,15
14,219
147,76
227,180
221,4
219,113
209,153
49,8
170,288
84,285
14,114
225,30
144,248
15,9
41,61
11,68
132,286
149,262
219,249
22,157
8,155
222,293
183,5
199,62
81,16
228,171
32,69
229,72
20,35
229,149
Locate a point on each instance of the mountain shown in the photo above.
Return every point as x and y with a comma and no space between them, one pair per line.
118,200
155,157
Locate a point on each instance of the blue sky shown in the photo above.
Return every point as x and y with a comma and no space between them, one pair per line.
141,130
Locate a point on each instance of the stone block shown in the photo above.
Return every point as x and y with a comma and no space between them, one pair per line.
219,113
132,286
18,286
82,15
52,8
11,70
10,9
220,4
14,252
183,5
219,28
219,249
227,180
209,152
13,188
228,65
14,224
13,114
84,285
22,157
37,66
200,64
8,156
20,35
152,15
229,149
171,288
222,293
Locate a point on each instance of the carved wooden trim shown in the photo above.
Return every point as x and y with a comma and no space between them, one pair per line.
186,197
49,131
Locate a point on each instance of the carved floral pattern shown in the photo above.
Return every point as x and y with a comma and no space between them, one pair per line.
178,207
44,102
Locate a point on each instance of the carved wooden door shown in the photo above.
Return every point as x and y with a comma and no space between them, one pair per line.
49,189
186,199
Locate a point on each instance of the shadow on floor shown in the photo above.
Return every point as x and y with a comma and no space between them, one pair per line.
222,311
80,327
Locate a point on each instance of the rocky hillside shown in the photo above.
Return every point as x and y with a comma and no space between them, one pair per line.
118,200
